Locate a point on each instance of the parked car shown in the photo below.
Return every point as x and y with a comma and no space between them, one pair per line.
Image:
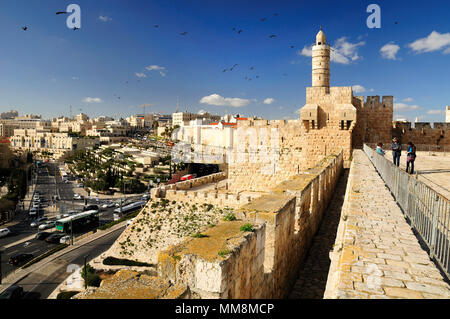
77,196
42,235
80,185
39,221
47,225
54,238
13,292
187,177
90,207
19,259
64,239
33,211
145,197
4,232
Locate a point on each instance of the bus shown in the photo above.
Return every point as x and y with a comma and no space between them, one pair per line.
78,221
118,213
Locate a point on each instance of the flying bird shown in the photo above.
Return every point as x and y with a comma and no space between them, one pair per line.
263,19
272,36
275,14
25,28
61,12
224,70
292,46
251,68
395,22
184,33
156,26
75,28
257,76
239,32
284,74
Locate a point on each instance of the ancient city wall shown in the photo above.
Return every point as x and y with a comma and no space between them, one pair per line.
263,263
374,122
422,133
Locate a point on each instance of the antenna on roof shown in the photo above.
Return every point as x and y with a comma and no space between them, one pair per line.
178,105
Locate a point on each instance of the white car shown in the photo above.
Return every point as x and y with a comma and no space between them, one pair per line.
130,221
47,225
77,196
33,211
4,232
64,239
39,221
108,205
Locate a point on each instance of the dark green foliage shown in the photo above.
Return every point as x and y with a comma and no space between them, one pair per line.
112,261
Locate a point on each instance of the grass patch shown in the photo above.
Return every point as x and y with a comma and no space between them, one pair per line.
229,217
48,253
247,227
224,252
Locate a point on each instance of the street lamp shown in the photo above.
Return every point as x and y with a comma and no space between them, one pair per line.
85,271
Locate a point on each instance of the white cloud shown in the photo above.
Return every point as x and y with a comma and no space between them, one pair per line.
408,99
281,108
388,51
435,41
161,69
405,107
371,90
201,111
434,112
104,18
141,75
75,78
269,100
343,51
216,99
92,100
358,88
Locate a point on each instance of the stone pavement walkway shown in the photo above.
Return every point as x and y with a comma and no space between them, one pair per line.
376,254
313,272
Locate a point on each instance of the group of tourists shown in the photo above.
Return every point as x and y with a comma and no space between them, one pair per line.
396,148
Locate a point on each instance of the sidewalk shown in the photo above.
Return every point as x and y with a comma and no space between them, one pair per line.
19,274
376,254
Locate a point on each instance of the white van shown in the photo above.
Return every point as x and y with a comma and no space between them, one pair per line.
33,212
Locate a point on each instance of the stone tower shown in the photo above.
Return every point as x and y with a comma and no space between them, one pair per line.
321,61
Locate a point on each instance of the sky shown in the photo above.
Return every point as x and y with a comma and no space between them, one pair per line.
118,52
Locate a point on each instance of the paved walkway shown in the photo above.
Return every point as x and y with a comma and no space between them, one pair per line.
313,272
376,254
433,169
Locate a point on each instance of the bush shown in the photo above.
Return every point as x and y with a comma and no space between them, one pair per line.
199,235
224,252
66,294
112,261
90,277
247,227
229,217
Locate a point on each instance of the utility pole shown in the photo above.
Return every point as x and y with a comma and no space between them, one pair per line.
85,272
71,230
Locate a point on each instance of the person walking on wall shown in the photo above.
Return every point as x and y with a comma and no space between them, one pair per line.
411,157
396,151
380,149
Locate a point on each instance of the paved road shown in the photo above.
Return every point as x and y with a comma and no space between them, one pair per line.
22,232
41,283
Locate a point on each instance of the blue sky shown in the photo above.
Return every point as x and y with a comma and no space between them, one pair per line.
48,67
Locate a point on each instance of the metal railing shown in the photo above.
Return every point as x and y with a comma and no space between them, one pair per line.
440,149
427,211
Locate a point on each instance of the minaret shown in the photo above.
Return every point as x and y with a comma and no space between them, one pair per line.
321,61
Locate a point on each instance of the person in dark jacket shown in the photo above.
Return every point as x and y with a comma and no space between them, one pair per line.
411,157
396,151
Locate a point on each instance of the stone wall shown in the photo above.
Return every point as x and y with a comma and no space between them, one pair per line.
263,263
422,133
374,122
